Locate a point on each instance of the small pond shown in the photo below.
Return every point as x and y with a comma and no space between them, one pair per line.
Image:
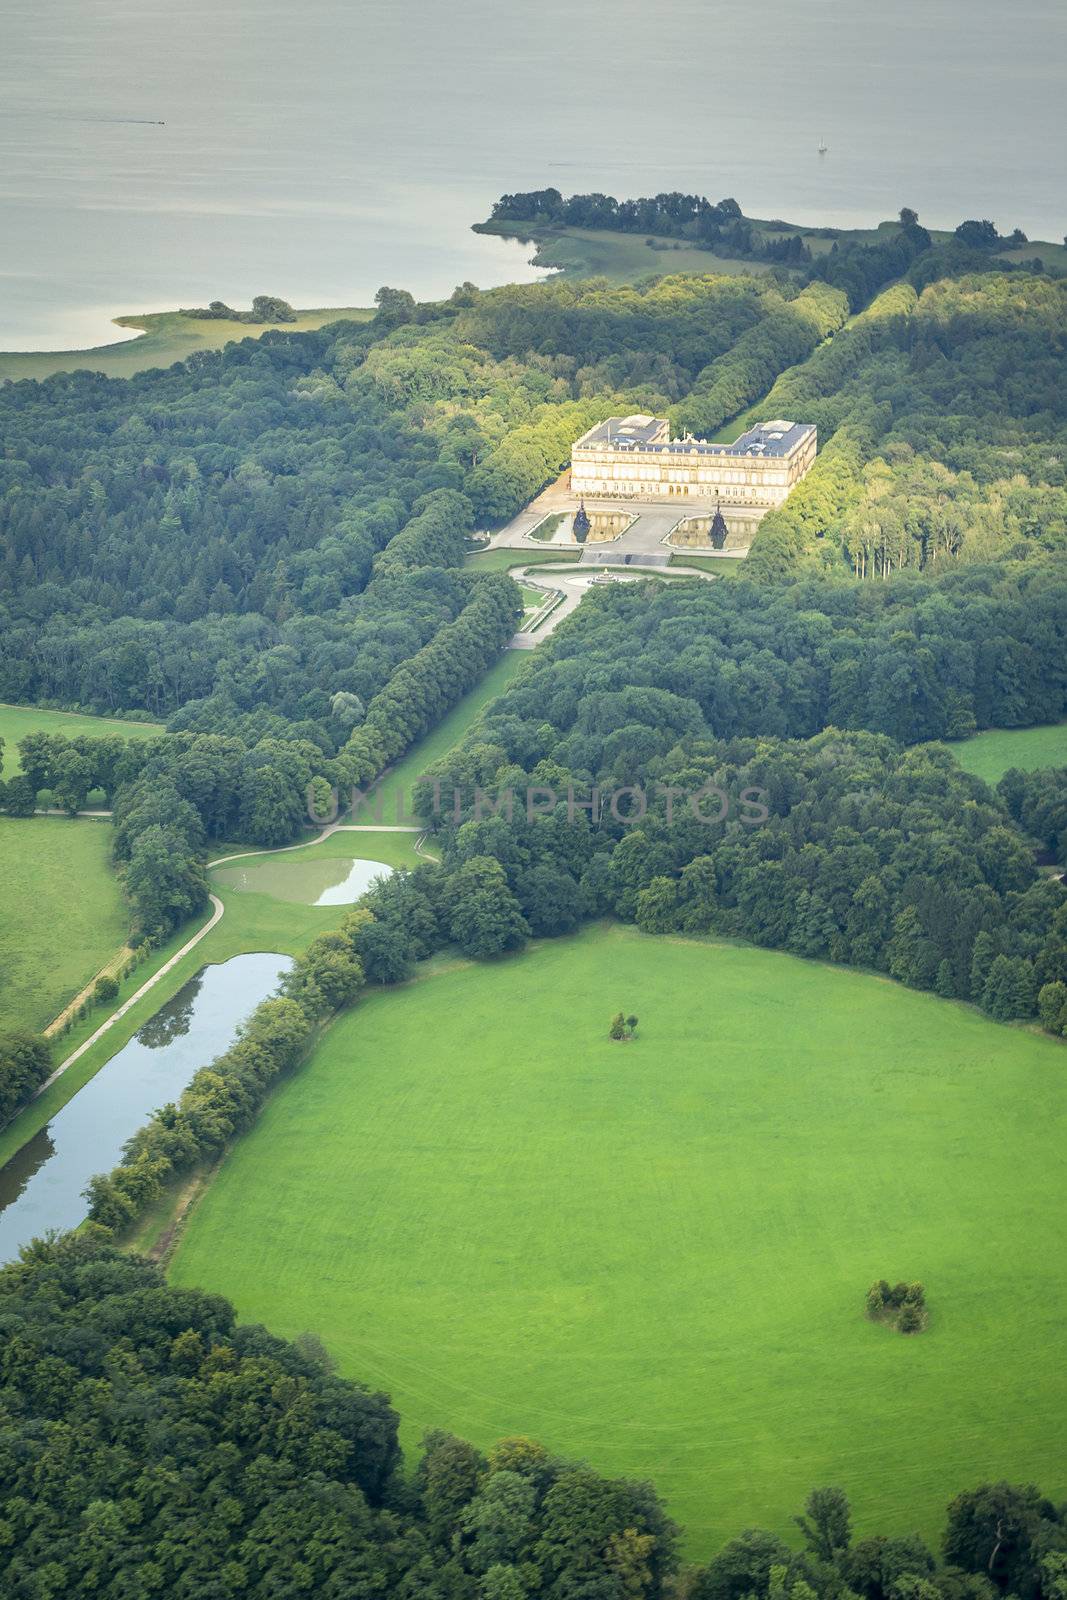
322,881
41,1186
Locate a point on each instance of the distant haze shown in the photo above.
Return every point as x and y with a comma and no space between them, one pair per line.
319,150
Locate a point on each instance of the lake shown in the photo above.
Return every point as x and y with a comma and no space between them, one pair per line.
319,151
41,1186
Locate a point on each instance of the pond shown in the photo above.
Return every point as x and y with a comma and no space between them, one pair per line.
322,881
41,1186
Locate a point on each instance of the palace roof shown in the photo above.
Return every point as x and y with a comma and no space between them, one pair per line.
650,435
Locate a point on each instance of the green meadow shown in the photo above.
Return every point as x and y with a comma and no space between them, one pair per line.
653,1255
619,257
17,721
164,337
989,755
63,914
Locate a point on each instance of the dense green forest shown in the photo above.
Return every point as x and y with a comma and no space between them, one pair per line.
151,1445
873,853
942,414
265,544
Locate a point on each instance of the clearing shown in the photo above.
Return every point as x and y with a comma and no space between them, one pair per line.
989,755
654,1255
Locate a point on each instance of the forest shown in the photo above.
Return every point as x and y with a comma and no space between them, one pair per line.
942,414
878,850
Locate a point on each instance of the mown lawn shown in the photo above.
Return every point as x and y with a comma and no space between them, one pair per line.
62,914
989,755
17,721
653,1255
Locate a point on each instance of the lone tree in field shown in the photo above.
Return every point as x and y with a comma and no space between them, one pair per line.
622,1027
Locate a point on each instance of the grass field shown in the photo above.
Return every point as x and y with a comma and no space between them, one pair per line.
989,755
532,600
63,914
715,564
167,337
654,1255
17,721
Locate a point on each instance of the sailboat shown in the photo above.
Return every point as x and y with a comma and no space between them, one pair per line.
823,147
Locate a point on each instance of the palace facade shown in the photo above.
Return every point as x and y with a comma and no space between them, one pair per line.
634,458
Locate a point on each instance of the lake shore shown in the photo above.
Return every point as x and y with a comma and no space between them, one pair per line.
159,338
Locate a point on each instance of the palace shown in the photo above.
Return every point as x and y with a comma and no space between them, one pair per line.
634,458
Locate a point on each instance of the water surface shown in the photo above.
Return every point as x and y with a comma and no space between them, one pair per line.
320,151
41,1186
323,881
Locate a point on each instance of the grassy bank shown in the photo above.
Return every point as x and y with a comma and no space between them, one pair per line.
654,1255
167,337
625,257
503,559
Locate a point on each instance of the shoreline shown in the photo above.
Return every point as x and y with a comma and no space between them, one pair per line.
160,338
